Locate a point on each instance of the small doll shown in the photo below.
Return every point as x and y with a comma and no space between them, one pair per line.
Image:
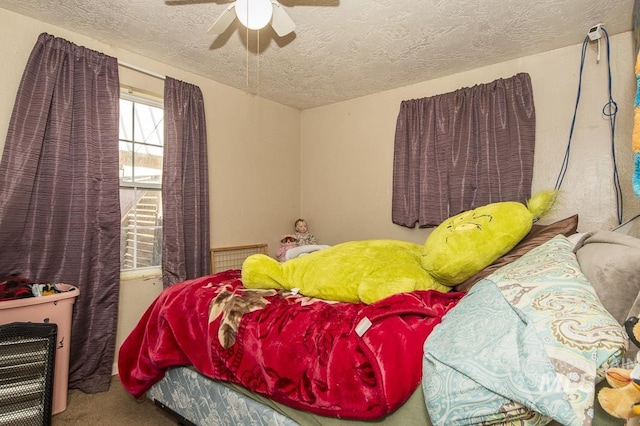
303,235
287,242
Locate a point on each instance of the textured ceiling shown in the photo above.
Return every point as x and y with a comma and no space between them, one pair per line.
341,49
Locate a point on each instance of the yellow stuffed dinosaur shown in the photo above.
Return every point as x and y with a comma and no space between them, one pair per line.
368,271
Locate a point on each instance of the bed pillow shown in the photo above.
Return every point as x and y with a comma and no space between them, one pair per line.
611,262
538,235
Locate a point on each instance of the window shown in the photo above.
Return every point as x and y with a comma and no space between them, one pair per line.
141,151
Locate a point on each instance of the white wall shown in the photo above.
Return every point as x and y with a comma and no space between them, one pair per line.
347,148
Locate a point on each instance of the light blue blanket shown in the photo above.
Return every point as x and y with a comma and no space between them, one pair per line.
526,345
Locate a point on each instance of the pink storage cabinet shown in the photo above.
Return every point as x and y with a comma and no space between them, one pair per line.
57,309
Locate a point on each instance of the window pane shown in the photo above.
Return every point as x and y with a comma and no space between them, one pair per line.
141,238
148,164
126,120
126,162
141,152
148,124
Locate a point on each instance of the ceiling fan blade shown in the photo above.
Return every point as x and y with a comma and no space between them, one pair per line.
281,21
224,20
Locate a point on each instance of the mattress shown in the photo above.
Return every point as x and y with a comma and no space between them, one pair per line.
201,401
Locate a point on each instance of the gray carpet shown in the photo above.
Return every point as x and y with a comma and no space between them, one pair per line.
115,407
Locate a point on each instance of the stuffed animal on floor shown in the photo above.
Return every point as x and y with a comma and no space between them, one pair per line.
632,326
368,271
622,399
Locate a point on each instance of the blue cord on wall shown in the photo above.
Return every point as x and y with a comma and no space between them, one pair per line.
609,110
565,162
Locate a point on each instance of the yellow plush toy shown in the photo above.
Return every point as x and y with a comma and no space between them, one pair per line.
622,399
470,241
356,270
371,270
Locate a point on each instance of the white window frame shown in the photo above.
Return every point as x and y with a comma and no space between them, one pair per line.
158,103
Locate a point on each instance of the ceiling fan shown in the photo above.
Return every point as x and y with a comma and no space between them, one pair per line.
255,14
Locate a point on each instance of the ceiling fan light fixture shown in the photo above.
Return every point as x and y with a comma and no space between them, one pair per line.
254,14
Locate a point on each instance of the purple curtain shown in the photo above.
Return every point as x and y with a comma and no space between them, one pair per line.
460,150
59,207
185,185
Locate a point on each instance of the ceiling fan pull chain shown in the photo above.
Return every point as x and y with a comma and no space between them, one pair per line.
247,56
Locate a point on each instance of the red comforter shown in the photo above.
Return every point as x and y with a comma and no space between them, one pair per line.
302,352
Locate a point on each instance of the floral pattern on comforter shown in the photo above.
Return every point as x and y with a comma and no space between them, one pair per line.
527,344
306,353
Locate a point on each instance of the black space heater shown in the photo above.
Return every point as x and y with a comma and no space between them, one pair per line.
27,359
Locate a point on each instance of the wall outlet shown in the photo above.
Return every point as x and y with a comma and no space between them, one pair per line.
595,32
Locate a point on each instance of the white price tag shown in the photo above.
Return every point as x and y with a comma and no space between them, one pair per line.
363,326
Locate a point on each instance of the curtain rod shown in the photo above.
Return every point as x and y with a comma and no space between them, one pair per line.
142,70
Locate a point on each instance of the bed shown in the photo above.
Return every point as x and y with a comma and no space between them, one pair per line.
214,353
